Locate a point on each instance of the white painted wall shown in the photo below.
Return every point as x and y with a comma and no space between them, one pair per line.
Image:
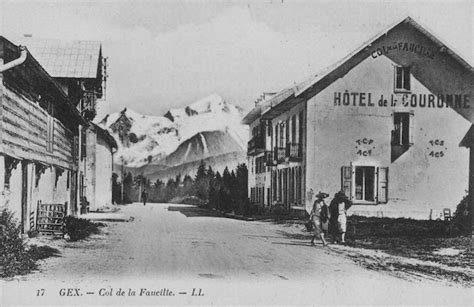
417,181
103,173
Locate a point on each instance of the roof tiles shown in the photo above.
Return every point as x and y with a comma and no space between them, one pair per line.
66,59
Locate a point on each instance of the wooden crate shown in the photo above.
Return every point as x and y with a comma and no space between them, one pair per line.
50,219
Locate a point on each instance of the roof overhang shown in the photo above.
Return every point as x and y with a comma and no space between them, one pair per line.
262,109
103,133
468,139
34,74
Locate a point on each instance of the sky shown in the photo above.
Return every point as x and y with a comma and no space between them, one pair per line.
168,54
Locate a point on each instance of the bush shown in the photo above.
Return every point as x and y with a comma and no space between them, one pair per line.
13,251
462,216
78,229
42,252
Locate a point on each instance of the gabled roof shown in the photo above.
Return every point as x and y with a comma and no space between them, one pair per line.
39,79
408,20
67,59
289,97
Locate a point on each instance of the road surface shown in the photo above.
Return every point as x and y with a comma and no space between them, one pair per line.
232,261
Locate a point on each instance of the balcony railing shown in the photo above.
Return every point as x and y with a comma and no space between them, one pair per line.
294,152
279,154
256,145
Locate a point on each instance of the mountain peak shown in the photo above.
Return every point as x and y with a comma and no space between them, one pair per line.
146,138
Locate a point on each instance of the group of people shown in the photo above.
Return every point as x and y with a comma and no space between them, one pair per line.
330,219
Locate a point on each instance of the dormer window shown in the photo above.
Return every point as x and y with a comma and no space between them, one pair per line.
402,79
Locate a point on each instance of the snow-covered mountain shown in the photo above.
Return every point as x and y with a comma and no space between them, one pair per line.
206,128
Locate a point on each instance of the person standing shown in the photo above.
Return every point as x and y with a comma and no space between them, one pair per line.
319,216
340,204
144,197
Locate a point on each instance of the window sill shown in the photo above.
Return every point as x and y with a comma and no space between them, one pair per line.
401,91
363,202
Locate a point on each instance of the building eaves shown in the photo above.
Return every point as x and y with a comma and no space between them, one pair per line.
48,78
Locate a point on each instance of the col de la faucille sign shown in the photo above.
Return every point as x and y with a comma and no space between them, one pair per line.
363,99
405,47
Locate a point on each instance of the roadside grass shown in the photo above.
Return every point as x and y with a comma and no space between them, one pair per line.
78,229
436,241
437,250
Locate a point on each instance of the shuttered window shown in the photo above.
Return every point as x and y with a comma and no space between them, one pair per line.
365,184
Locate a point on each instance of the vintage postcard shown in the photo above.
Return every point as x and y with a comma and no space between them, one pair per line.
282,152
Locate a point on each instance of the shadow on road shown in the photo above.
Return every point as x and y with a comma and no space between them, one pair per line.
192,211
296,236
297,243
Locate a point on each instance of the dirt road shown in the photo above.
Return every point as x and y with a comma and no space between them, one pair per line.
231,260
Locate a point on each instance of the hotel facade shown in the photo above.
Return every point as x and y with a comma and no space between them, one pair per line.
384,125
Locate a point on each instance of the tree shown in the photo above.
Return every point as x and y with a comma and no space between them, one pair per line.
187,185
241,187
159,183
201,172
201,182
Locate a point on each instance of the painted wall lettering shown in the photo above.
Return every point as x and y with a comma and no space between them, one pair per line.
405,47
361,99
436,148
364,147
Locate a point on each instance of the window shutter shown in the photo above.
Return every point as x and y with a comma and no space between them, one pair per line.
382,174
346,184
411,130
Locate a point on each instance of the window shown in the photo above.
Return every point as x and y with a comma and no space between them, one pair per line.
301,127
402,78
68,183
365,184
293,129
260,165
50,134
75,149
282,135
83,143
402,133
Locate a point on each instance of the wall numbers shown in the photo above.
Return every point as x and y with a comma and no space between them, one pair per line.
436,148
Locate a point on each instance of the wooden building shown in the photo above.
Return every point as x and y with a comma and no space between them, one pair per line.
80,69
39,134
51,152
383,125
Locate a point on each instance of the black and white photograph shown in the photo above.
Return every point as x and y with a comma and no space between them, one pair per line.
218,152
